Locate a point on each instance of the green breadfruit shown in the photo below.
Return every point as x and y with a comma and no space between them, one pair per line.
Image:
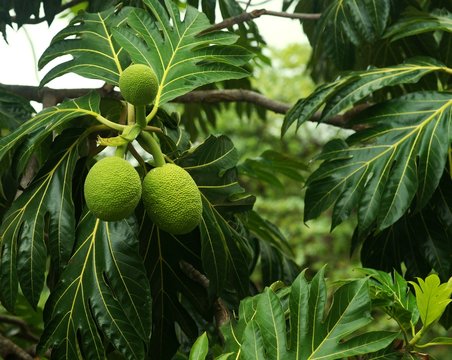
112,189
138,84
172,199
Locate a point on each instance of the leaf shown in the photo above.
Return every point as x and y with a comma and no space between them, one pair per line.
181,58
103,292
88,40
379,171
392,295
45,207
355,86
38,128
172,264
346,22
432,298
14,110
419,240
271,163
200,348
416,22
313,333
225,252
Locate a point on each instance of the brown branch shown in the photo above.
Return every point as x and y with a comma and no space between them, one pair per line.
34,93
25,331
248,16
41,19
9,348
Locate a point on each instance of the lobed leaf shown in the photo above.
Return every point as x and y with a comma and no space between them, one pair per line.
313,333
380,170
46,206
341,94
417,22
93,50
432,298
14,110
103,293
181,58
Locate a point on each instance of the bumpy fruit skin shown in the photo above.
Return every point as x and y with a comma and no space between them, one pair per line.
112,189
172,199
138,84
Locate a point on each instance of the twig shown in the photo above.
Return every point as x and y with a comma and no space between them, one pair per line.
34,93
8,348
41,19
248,16
26,332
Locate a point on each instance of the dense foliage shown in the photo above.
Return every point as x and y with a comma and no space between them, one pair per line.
127,288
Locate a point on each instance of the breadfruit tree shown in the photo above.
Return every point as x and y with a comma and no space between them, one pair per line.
127,228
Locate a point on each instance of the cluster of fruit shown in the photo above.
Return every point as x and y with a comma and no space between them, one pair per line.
113,187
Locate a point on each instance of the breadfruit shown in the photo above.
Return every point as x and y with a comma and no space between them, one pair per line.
112,189
138,84
172,199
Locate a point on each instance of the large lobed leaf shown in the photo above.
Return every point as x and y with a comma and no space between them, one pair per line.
380,170
182,59
89,42
261,331
217,248
103,293
347,22
48,200
343,93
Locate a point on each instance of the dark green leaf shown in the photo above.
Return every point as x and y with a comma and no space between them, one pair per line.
355,86
417,22
103,292
89,41
381,169
181,59
14,110
45,207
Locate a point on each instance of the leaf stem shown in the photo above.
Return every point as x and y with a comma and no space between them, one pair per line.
152,113
108,123
140,116
153,148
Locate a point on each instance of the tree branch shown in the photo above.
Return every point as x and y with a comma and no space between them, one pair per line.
34,93
248,16
9,348
25,331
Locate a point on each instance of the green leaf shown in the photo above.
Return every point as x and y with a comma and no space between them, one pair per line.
181,58
173,264
432,298
417,22
379,171
346,22
313,332
392,295
14,110
341,94
419,240
46,206
225,252
200,348
89,41
38,128
271,163
103,293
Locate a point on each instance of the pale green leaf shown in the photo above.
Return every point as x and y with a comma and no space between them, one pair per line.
432,298
200,348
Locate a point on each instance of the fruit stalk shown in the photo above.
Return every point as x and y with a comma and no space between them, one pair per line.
154,148
140,116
